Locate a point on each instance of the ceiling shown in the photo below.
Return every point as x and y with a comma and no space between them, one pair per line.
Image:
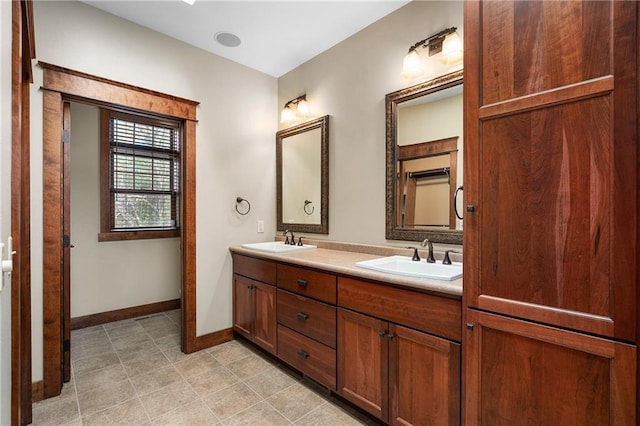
276,36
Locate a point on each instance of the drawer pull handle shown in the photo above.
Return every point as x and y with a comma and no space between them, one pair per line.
302,354
302,316
302,283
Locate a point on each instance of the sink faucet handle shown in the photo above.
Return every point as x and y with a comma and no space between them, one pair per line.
446,260
416,256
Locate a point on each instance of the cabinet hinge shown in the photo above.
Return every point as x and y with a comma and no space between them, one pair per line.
66,136
66,345
66,241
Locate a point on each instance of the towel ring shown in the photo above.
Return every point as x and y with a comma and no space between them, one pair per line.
240,200
306,203
455,202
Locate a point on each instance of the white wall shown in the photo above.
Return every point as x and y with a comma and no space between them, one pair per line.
349,82
110,275
5,207
235,140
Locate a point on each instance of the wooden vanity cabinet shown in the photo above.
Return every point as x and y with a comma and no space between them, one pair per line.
400,375
306,315
254,300
550,229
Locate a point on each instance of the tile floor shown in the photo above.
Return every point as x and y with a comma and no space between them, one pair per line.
133,372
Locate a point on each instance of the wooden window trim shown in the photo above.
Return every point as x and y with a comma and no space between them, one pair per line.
106,233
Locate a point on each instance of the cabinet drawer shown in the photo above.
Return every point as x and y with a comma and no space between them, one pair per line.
258,269
312,318
432,314
314,284
310,357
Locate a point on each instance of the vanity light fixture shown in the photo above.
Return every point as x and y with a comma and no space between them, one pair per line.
189,2
295,108
447,43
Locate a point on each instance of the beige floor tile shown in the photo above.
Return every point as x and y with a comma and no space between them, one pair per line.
162,332
55,411
80,352
96,362
136,350
130,340
120,323
260,414
199,364
232,400
155,379
229,352
130,412
167,342
156,321
270,381
124,330
145,363
213,381
104,397
93,379
329,414
84,331
168,398
175,354
249,366
94,338
296,401
175,316
195,413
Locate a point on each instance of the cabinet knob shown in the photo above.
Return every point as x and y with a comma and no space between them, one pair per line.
471,208
382,334
390,336
302,354
302,283
302,316
469,326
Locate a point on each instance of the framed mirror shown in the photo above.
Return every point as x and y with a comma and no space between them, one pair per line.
424,156
302,176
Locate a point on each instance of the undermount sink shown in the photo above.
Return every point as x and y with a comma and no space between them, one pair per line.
277,247
402,265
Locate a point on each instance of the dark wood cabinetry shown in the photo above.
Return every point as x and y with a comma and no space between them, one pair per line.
254,302
550,243
400,375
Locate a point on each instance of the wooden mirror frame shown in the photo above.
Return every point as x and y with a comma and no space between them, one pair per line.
393,232
323,124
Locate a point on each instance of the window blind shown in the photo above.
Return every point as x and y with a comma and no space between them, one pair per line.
145,174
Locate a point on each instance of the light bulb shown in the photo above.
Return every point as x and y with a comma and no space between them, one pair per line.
452,50
303,109
411,66
287,115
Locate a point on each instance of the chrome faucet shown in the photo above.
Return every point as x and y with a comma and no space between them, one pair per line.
430,258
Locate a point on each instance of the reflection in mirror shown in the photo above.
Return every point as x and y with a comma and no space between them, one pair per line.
303,177
424,160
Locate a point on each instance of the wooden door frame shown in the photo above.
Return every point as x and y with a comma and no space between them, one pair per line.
22,52
59,85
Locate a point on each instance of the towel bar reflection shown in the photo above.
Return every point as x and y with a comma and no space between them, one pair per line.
240,200
306,203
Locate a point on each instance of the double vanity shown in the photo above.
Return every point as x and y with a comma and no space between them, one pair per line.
358,320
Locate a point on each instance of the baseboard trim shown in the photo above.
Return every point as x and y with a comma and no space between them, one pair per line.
37,391
213,339
122,314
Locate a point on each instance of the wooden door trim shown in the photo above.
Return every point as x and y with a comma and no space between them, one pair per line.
61,84
22,51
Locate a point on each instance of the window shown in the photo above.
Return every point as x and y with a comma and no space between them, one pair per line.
140,177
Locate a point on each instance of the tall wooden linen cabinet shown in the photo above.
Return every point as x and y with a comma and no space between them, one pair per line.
551,225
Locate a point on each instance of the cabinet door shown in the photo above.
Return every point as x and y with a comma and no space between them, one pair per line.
519,372
264,325
551,162
362,362
242,305
424,378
